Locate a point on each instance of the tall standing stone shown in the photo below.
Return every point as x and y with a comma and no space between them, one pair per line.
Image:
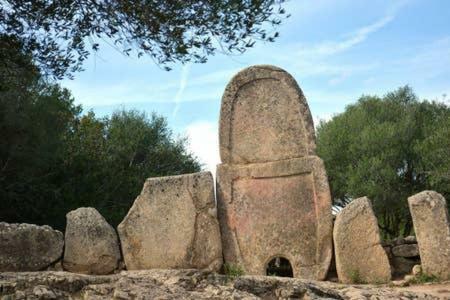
173,224
431,224
91,244
360,258
273,193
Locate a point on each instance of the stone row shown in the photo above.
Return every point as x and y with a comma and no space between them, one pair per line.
359,254
171,225
90,245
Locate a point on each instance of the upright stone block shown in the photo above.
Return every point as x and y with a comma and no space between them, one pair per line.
91,244
173,224
360,258
272,191
431,224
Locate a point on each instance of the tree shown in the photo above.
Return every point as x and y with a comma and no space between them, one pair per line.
17,68
54,166
435,150
109,159
61,33
53,159
35,116
387,148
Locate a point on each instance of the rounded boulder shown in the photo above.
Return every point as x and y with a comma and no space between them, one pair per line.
92,245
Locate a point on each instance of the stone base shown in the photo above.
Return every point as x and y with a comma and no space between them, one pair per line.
276,209
188,284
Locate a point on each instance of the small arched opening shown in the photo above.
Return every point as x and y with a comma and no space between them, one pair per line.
279,266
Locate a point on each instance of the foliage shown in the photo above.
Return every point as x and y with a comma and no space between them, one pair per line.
233,271
16,66
435,150
34,118
60,34
388,149
355,277
423,278
108,160
53,159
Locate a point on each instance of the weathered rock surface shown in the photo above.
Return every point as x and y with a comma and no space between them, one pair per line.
264,117
406,250
359,254
173,224
417,270
402,265
410,239
403,240
278,209
432,228
272,191
91,244
403,254
27,247
183,284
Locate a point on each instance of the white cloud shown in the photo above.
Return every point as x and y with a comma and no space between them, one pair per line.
97,94
182,86
425,68
314,59
204,143
142,91
323,117
213,77
433,59
329,48
358,36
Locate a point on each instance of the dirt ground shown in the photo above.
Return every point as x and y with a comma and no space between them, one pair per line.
441,290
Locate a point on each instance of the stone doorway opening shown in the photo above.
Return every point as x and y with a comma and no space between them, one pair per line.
279,266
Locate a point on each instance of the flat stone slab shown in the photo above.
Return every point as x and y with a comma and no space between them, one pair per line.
264,117
410,239
360,258
431,225
91,244
173,224
406,250
194,284
28,247
276,209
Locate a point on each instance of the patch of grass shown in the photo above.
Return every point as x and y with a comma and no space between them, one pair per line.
391,284
379,282
232,271
424,278
355,277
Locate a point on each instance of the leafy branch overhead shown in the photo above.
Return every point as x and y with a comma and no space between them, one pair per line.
60,34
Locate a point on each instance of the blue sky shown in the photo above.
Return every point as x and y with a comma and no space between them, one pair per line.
336,49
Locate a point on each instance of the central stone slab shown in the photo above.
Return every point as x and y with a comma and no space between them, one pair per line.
273,193
264,117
